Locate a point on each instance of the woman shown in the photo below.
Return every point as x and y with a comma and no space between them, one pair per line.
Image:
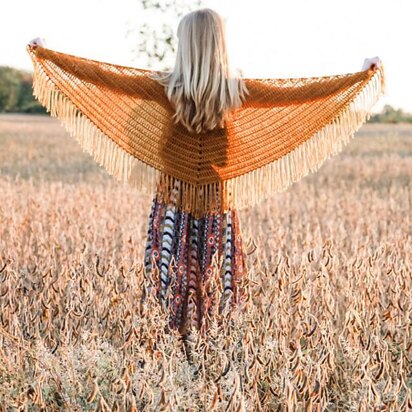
202,90
194,238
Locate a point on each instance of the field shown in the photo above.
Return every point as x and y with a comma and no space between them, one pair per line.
328,322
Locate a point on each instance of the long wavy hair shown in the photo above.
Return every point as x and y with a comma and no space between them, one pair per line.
201,87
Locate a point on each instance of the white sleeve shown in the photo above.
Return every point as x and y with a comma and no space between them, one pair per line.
38,41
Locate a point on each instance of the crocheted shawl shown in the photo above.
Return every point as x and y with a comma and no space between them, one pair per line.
285,129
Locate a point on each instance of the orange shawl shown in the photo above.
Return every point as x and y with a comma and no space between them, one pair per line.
285,129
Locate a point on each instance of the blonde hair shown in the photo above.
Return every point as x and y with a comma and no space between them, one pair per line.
201,87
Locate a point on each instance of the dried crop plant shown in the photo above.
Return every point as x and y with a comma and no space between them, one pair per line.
327,320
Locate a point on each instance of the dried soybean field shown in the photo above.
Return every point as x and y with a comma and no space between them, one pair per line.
327,325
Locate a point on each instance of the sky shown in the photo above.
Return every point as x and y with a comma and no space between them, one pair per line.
266,38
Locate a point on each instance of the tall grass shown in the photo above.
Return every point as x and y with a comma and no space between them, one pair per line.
326,324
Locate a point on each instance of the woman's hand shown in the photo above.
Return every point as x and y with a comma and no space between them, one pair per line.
38,41
373,63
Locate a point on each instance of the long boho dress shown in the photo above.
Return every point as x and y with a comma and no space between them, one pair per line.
183,253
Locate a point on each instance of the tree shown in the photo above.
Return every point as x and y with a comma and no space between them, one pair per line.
9,88
156,40
16,92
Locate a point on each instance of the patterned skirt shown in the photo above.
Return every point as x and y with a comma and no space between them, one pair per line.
188,260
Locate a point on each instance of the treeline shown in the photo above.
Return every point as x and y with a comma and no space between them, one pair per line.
16,96
391,115
16,93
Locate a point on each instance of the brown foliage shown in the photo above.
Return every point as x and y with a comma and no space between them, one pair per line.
327,325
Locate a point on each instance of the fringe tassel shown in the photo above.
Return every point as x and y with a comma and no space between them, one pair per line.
239,192
105,152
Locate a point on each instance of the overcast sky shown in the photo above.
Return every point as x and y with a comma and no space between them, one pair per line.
266,38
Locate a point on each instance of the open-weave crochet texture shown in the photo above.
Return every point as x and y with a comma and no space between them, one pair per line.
285,129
